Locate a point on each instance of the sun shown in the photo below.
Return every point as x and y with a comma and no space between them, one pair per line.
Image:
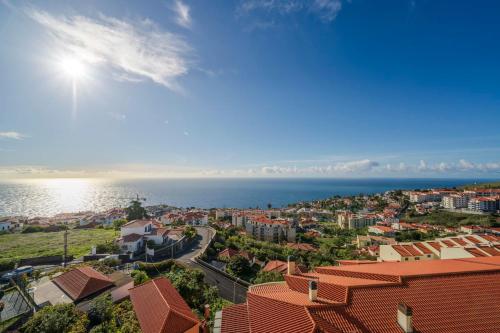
73,68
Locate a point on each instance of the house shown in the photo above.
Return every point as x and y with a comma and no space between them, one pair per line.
405,252
390,297
403,226
135,234
277,266
381,230
160,309
5,226
229,253
301,247
73,286
471,229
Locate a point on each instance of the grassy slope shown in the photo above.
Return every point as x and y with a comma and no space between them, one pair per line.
452,219
51,243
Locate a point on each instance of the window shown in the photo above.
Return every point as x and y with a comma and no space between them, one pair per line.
417,258
428,256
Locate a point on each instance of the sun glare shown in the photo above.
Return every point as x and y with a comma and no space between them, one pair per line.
73,68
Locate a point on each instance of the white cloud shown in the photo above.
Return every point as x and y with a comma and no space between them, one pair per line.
186,133
135,49
326,10
12,135
356,166
183,16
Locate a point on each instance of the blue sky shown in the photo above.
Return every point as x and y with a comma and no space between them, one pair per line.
325,88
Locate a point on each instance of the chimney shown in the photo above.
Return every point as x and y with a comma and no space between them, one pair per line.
291,266
206,313
405,317
313,290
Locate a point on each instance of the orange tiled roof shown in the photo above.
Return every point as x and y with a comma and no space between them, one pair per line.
276,266
81,282
364,298
137,223
160,308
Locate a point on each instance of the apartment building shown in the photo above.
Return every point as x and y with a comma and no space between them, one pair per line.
455,201
349,220
419,197
484,204
271,230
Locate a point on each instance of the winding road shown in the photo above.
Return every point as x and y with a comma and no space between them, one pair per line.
228,288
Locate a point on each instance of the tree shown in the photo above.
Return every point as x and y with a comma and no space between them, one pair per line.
124,317
189,283
139,277
108,247
63,318
135,211
117,224
264,277
238,266
100,309
189,232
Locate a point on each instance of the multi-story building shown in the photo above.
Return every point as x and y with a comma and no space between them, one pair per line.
349,220
455,201
271,230
484,204
419,197
405,297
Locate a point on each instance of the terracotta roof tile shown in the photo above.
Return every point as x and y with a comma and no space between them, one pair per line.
235,319
160,308
81,282
435,290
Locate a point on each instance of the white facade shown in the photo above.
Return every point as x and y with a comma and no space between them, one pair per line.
5,226
455,201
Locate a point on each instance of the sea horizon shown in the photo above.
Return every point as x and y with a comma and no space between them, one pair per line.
46,197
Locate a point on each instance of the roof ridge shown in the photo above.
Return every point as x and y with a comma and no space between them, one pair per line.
168,305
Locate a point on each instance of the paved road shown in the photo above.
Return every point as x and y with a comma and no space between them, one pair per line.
196,247
228,289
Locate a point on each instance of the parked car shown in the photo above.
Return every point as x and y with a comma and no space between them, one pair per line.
17,273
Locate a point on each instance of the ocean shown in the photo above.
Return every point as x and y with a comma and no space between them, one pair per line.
47,197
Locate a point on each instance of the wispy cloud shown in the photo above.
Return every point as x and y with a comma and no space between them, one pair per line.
182,11
326,10
12,135
134,49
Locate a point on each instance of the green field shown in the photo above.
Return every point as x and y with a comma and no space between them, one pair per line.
17,246
452,219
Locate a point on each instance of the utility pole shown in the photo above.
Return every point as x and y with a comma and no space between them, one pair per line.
65,256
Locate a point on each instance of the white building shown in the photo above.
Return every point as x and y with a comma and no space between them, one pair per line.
349,220
271,230
5,226
455,201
